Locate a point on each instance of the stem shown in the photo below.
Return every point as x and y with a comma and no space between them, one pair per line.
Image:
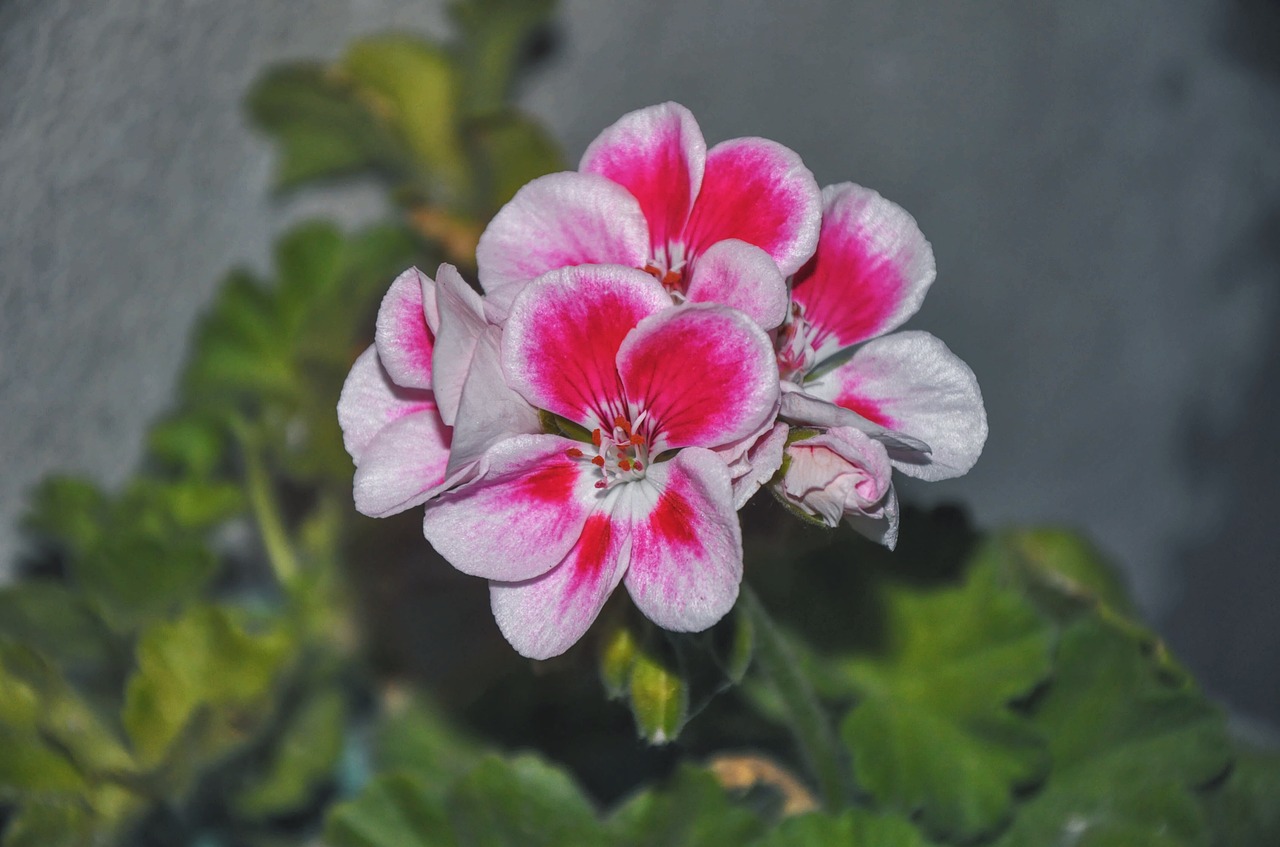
266,510
813,732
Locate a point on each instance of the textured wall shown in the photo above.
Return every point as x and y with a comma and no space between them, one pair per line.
1100,179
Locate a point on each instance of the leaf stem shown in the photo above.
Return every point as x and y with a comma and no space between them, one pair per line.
266,511
813,732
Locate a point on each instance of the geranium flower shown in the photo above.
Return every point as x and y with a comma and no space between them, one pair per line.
869,275
724,225
433,352
843,473
555,523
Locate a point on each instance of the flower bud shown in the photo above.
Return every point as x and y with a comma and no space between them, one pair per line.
839,473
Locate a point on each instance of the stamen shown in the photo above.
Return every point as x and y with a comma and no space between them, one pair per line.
620,453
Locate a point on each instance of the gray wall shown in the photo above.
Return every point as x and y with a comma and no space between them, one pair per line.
1100,179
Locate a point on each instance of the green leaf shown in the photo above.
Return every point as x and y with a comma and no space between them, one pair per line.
276,356
202,681
64,510
1071,563
691,810
29,764
135,575
1245,810
137,555
521,802
194,444
393,811
1067,577
418,739
64,822
933,730
856,827
1127,746
55,744
412,84
323,127
493,33
52,619
302,760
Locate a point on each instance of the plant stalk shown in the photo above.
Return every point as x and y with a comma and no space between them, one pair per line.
813,732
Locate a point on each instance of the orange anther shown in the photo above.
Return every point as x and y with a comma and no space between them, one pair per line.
573,453
625,464
637,439
639,466
596,437
598,461
671,278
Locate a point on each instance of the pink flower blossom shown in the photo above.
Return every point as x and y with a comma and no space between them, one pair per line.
724,225
843,473
555,523
870,274
433,353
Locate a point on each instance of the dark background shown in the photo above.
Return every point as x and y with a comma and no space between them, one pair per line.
1100,180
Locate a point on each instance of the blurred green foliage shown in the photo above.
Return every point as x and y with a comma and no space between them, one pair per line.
182,660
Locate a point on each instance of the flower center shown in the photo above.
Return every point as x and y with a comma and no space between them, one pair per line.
668,266
621,454
797,352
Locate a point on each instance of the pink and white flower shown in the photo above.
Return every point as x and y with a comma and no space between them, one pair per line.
843,473
724,225
433,352
870,274
555,523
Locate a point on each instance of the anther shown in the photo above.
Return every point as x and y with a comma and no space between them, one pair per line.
574,453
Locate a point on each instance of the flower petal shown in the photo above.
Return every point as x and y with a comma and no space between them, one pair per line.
870,273
521,517
403,465
801,407
760,192
403,340
833,473
735,273
558,221
705,375
686,544
370,401
911,383
562,337
545,616
658,155
752,461
489,411
462,321
880,526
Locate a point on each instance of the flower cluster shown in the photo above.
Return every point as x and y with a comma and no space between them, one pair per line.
662,333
